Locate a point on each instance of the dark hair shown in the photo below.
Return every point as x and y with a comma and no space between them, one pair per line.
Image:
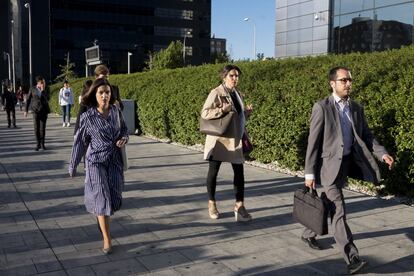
333,71
89,99
66,81
227,69
39,78
101,70
85,88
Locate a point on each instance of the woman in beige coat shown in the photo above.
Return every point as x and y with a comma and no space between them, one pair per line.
221,100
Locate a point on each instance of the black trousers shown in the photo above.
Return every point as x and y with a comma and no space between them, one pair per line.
12,112
39,123
238,181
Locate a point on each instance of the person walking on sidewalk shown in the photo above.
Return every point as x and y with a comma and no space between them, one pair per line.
339,138
19,96
38,99
9,100
221,100
66,101
101,134
102,71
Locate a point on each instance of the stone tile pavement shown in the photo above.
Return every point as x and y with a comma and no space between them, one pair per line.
163,227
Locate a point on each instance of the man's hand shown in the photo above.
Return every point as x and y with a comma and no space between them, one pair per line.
249,109
310,183
389,160
25,114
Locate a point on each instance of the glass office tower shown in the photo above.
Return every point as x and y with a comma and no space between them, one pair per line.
312,27
66,27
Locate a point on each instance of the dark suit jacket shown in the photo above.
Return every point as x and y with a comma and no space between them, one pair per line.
38,104
325,146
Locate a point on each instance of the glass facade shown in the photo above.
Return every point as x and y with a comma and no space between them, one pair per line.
371,25
309,27
302,27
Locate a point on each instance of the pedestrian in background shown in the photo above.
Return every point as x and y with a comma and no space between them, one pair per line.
20,97
66,102
9,100
102,71
101,134
220,101
339,139
82,108
38,100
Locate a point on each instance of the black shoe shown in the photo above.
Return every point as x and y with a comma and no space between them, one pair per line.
312,243
15,126
43,147
8,126
37,148
356,265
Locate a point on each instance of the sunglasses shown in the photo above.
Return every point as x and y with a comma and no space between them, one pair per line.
344,80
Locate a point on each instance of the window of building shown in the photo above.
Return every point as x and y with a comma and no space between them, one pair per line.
172,13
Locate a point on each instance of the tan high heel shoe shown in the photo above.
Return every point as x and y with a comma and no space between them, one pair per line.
241,214
212,210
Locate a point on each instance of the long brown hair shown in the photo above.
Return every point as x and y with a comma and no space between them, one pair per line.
89,99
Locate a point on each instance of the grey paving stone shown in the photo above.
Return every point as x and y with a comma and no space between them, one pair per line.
205,269
122,267
22,270
163,260
84,271
82,258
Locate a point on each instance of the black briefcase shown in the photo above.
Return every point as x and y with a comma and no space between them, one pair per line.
310,210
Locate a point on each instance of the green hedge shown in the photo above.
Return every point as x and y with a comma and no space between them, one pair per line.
282,93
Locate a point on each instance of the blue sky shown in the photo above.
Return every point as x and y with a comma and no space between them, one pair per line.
227,22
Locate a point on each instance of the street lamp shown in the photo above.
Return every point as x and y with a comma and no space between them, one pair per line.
27,6
129,62
185,36
12,49
7,55
254,36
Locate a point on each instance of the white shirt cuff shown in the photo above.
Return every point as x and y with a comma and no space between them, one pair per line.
309,176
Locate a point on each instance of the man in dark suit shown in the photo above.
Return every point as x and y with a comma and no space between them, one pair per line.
38,99
340,144
9,100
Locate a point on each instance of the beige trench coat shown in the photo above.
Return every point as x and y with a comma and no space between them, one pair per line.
226,149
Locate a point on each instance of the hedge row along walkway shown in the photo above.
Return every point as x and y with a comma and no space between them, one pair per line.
163,227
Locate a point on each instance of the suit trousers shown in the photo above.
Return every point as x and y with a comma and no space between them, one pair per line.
39,123
341,231
11,119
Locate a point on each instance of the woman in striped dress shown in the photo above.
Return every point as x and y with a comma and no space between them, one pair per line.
101,134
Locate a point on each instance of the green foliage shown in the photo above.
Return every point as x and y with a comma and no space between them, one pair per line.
169,58
282,93
66,70
220,57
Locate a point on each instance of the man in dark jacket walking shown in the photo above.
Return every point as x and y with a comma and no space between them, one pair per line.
9,100
38,99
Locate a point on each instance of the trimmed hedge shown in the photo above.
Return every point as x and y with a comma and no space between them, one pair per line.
282,93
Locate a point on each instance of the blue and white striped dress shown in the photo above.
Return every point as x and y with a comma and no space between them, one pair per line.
104,179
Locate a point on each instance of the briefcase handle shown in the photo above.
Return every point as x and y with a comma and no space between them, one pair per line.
312,191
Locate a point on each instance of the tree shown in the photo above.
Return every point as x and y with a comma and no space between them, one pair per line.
220,57
260,56
66,70
171,58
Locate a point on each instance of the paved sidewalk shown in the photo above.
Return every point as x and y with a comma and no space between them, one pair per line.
163,227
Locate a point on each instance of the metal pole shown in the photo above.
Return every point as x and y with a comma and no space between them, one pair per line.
8,63
27,5
185,36
129,62
12,48
254,40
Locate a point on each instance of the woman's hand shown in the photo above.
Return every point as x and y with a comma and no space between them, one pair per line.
249,109
121,142
226,107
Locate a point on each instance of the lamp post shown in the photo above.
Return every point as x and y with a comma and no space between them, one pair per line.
185,36
12,49
254,36
129,62
7,55
27,6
